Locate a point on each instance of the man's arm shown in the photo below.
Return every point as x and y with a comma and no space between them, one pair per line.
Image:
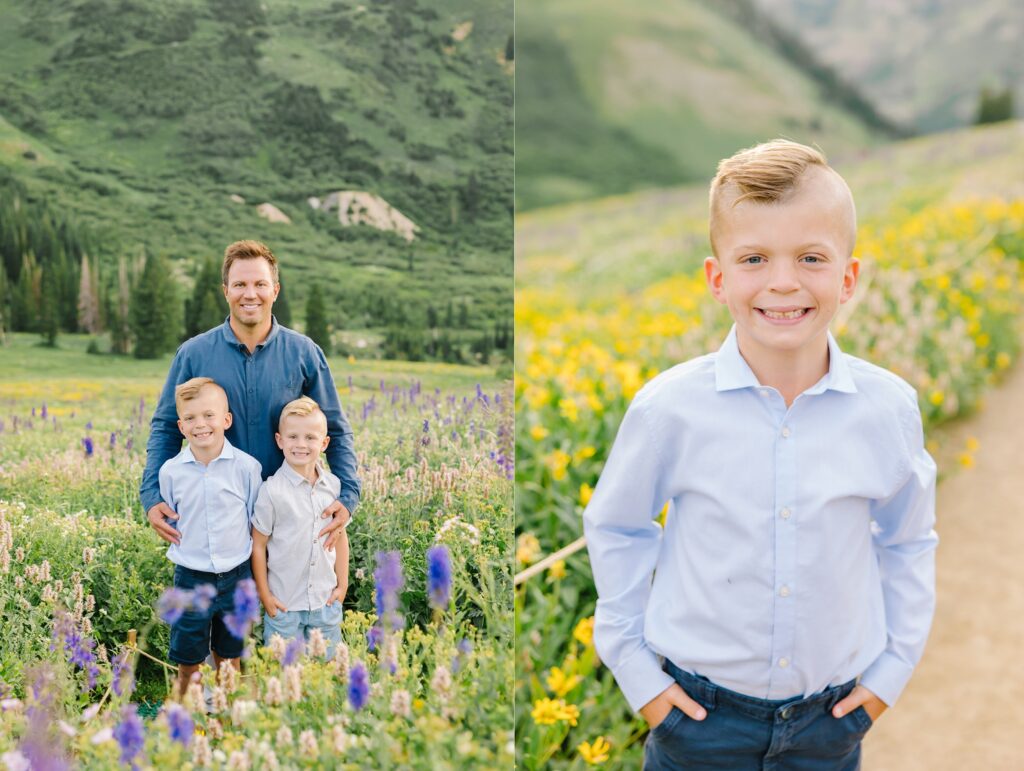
341,454
905,542
624,542
164,443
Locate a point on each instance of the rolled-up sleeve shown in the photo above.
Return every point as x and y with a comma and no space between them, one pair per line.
905,542
623,541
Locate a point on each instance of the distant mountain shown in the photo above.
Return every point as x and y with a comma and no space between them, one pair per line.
922,63
613,97
164,123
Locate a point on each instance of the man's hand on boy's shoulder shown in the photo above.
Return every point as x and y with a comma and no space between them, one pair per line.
158,516
333,530
657,709
861,697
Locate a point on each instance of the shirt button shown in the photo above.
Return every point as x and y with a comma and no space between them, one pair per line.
785,513
784,591
764,392
783,662
786,712
785,431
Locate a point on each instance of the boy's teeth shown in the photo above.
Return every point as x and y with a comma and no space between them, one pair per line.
786,315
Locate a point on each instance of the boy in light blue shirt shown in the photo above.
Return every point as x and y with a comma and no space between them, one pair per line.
793,583
212,487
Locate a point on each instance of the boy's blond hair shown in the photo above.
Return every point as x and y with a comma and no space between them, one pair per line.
301,407
765,174
189,390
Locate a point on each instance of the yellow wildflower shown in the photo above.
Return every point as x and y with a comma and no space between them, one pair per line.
584,453
568,409
527,548
586,491
584,631
547,711
983,340
966,460
596,753
570,713
557,571
973,444
558,462
936,397
1002,360
538,432
560,683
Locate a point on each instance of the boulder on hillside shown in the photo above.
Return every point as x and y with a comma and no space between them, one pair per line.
357,207
271,213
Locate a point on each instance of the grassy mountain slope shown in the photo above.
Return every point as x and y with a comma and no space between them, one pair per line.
141,119
614,96
920,63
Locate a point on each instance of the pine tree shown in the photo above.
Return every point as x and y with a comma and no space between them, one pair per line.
316,320
207,307
282,308
49,312
117,314
26,296
155,314
5,305
88,301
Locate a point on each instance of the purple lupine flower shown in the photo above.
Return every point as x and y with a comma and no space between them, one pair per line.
78,647
172,604
33,411
479,391
462,650
123,678
374,637
113,440
202,596
88,426
1,426
295,648
426,426
247,609
128,445
439,576
44,413
179,724
130,734
358,686
389,582
88,446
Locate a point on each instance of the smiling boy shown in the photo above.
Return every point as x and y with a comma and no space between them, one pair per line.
211,488
300,581
793,584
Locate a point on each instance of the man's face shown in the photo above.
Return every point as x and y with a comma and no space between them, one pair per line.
204,419
783,269
251,291
302,438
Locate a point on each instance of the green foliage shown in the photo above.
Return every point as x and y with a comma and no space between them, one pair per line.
282,307
316,320
994,105
207,307
155,313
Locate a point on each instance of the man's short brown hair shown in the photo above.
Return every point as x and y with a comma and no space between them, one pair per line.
189,390
247,250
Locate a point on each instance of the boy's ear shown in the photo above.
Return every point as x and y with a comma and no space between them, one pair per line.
180,428
850,279
713,274
227,420
327,441
277,438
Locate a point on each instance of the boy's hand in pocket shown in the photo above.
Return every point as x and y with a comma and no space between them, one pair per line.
272,605
861,697
657,709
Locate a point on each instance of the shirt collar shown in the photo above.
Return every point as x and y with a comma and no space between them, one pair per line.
297,479
733,372
227,451
232,339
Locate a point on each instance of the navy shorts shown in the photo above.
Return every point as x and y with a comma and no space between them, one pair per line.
195,634
742,732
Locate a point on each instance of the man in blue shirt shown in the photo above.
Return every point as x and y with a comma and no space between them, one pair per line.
261,366
793,583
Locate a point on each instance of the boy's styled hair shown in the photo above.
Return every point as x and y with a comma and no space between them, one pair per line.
247,250
189,390
301,407
765,174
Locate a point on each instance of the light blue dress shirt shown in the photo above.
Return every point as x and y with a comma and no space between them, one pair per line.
798,550
214,504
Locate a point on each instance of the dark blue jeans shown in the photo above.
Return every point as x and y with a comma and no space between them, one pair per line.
741,732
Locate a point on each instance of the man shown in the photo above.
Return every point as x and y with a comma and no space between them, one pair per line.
261,366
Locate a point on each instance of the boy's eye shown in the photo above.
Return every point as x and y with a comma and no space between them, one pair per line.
812,258
754,259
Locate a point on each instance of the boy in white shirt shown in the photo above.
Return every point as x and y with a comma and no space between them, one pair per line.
301,584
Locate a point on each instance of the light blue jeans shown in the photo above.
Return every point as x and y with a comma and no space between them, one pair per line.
291,623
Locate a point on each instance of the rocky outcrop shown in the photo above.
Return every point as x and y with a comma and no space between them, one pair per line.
356,207
271,213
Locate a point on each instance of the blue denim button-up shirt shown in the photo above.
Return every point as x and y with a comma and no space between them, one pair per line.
283,367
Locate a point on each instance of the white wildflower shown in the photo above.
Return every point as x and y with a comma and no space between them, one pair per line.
317,644
308,745
274,695
401,703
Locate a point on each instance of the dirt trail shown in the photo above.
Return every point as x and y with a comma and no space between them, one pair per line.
964,707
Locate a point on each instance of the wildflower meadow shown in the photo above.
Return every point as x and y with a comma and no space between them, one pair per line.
611,293
423,676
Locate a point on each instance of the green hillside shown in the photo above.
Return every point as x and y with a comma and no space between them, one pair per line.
140,120
615,97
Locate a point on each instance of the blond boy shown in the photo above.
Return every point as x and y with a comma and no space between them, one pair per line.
211,487
301,584
793,584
